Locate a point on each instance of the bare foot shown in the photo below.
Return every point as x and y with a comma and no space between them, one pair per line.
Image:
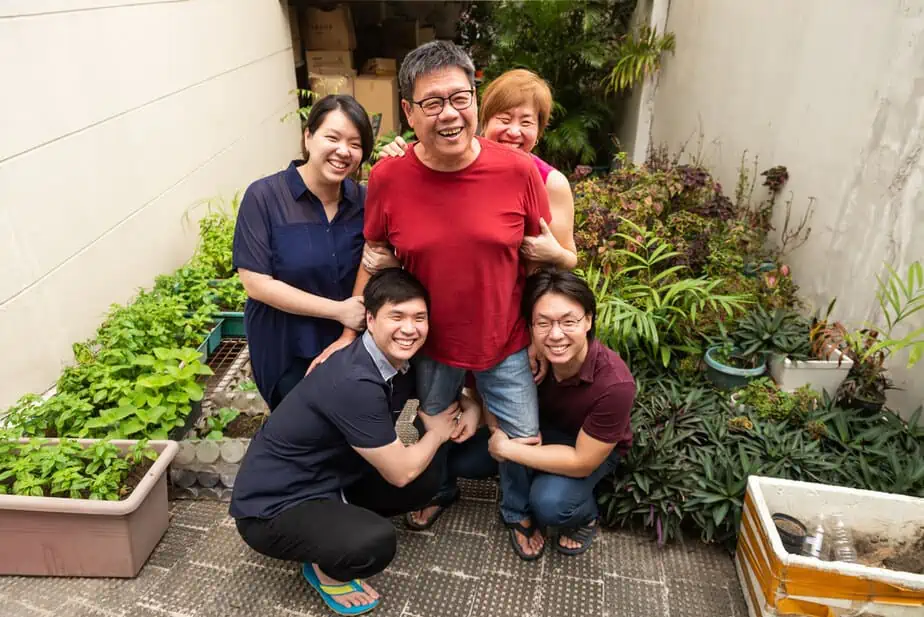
566,542
531,545
357,598
422,516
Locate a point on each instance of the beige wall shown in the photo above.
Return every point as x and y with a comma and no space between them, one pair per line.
834,90
116,117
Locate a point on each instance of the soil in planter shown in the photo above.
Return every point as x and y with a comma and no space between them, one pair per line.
243,426
875,551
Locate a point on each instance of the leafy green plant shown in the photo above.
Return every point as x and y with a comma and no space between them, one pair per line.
639,56
248,385
765,400
780,331
305,98
217,423
67,469
648,305
570,43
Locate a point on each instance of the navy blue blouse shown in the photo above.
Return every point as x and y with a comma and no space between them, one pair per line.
283,231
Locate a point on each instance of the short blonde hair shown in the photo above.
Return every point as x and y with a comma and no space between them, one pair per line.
515,88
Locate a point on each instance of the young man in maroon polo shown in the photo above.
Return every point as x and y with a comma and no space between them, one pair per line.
585,405
455,210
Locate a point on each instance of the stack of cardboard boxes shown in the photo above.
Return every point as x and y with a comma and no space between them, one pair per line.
330,41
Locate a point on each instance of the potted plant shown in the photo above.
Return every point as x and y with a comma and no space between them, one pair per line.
729,369
871,346
85,507
800,356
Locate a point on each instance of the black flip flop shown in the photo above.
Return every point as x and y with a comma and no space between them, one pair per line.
442,502
527,532
584,535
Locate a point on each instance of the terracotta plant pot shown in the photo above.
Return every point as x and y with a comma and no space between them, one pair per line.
56,536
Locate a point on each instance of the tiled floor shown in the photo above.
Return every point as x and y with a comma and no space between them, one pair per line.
462,567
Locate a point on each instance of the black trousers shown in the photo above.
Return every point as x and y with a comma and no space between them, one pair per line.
346,540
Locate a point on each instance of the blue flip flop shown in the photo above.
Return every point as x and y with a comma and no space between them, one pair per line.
328,592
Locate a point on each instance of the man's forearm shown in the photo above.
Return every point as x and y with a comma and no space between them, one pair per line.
420,455
557,459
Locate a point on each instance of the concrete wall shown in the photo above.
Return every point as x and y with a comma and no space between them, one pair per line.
117,115
834,90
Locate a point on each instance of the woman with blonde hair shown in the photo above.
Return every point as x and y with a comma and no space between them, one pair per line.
515,111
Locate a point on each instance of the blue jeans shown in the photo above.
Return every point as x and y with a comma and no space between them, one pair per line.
554,500
510,394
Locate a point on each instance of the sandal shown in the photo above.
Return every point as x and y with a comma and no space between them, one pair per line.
441,502
584,535
527,532
329,592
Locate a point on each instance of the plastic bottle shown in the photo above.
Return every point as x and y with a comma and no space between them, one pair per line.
815,539
842,547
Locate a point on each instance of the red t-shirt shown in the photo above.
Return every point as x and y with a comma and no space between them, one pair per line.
598,399
459,233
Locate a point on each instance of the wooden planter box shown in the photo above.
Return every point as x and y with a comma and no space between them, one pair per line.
776,582
55,536
821,375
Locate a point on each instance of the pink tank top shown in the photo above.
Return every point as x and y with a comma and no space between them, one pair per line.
544,168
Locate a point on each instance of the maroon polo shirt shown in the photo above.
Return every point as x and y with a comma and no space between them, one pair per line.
598,399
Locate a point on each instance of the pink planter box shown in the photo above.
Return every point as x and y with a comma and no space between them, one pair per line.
55,536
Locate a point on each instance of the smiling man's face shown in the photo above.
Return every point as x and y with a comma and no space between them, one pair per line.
446,136
399,329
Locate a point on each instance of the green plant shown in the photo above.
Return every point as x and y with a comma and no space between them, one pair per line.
871,346
781,331
765,400
639,56
571,44
305,98
67,469
647,305
247,385
217,423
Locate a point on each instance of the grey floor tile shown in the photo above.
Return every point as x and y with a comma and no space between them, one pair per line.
395,589
568,597
631,556
142,610
693,599
48,592
503,596
475,517
203,514
736,593
80,609
633,598
501,560
588,565
253,590
222,546
479,490
443,594
413,552
692,560
175,545
188,587
457,553
120,594
15,608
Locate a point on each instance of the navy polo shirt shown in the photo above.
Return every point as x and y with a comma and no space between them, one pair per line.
305,448
283,231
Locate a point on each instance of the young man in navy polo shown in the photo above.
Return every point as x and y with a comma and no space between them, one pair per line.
325,471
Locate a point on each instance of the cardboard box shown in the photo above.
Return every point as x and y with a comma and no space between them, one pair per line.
379,95
322,85
326,62
330,30
380,66
426,34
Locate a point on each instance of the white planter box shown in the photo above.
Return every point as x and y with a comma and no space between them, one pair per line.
777,583
821,375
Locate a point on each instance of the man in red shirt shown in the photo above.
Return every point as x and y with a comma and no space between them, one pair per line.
455,210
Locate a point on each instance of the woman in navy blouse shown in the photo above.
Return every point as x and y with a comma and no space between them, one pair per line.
298,243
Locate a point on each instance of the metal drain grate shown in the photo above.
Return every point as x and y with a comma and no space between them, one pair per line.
225,355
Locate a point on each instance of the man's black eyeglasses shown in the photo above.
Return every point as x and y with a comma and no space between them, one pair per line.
433,105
